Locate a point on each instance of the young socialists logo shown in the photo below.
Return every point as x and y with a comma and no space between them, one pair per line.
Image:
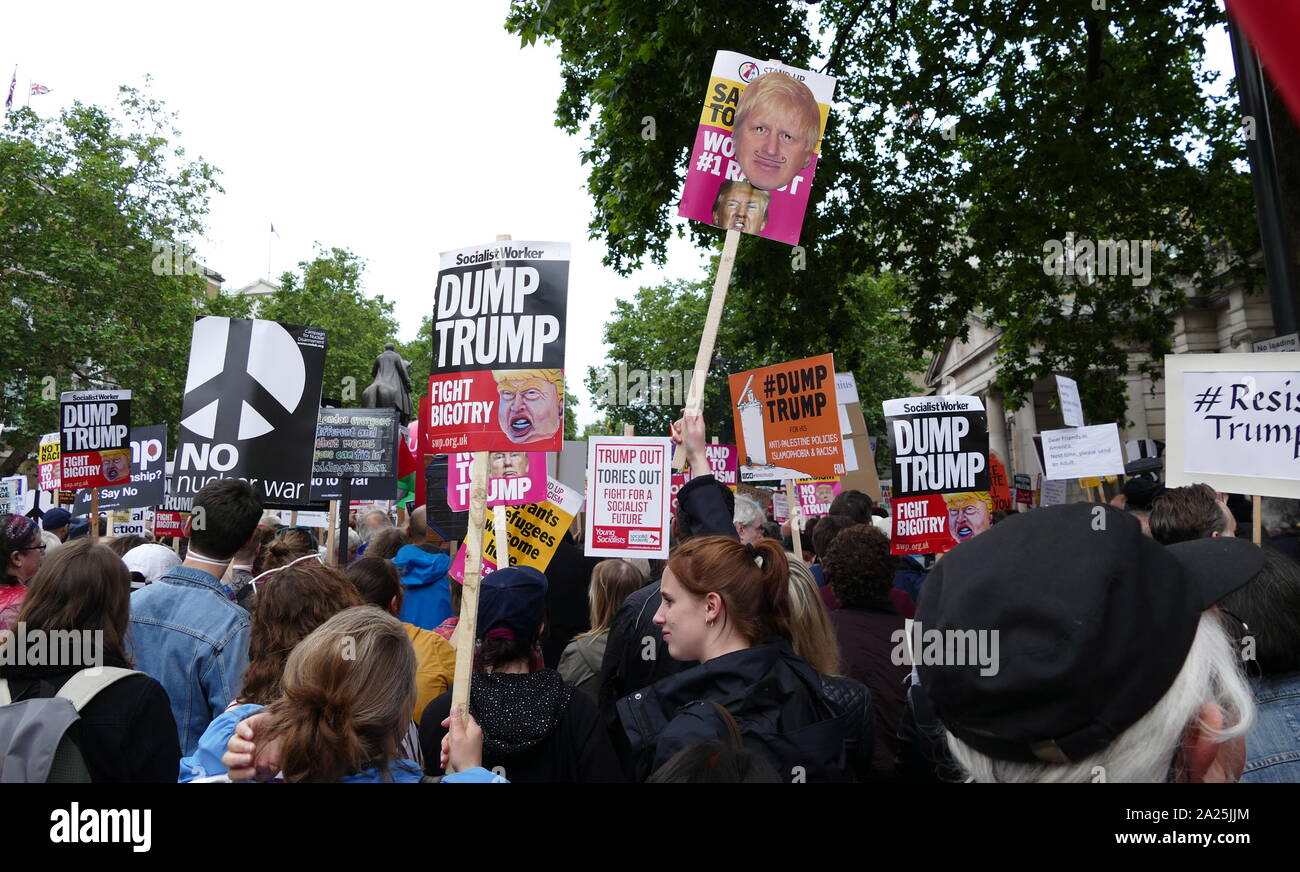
252,394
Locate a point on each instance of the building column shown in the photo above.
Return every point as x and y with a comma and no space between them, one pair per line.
997,426
1026,459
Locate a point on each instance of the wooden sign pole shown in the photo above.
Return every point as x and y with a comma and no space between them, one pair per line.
695,398
340,527
467,626
331,553
501,532
94,514
1257,521
795,515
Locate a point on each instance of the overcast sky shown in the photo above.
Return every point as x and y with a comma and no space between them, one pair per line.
397,130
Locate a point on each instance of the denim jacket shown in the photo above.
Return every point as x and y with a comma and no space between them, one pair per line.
1273,744
188,636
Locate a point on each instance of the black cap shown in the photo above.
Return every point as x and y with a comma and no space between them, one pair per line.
513,599
1094,621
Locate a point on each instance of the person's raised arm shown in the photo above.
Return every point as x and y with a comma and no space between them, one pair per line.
700,503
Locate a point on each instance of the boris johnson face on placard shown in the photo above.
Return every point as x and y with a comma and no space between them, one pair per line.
776,130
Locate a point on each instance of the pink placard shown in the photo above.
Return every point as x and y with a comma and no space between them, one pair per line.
515,478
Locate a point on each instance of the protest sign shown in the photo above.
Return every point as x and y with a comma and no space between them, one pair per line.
940,487
780,507
755,177
48,472
1233,422
535,531
94,445
167,523
815,495
1053,492
999,485
1080,452
174,502
787,424
1067,391
846,388
1022,488
360,490
356,443
498,367
678,481
139,522
724,465
628,496
252,393
148,484
859,474
10,499
515,478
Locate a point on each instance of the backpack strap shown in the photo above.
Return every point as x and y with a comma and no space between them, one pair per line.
82,687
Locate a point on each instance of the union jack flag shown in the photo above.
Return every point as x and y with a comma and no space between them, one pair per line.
39,89
12,82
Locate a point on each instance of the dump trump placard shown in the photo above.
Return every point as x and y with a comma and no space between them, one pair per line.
628,496
757,146
940,496
95,446
498,363
787,420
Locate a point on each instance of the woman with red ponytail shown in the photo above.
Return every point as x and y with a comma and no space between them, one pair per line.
727,605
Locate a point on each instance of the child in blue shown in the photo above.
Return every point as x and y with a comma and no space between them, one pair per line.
347,694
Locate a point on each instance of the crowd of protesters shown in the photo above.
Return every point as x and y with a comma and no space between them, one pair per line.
1144,640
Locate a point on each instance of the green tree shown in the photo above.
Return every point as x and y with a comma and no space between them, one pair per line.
95,208
658,330
326,292
419,354
964,137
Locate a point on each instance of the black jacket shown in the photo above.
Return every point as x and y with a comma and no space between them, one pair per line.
125,734
535,727
568,613
811,727
865,634
636,656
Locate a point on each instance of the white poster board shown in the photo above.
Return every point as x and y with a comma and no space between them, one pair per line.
1083,452
1067,389
1233,422
629,496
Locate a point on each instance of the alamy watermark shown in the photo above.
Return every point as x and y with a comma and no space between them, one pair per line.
946,648
644,387
23,647
1087,260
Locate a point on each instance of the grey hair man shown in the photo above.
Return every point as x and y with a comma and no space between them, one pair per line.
371,520
748,517
1112,661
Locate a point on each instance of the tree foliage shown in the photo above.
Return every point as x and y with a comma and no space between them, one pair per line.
657,332
965,136
88,199
327,292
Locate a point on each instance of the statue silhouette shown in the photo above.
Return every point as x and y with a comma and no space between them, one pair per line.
391,388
